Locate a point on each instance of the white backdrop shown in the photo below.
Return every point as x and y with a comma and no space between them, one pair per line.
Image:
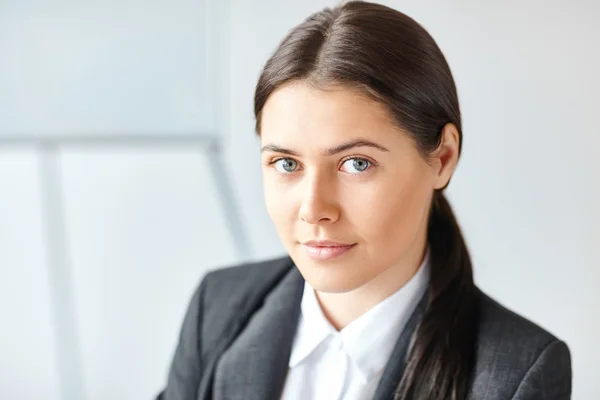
143,226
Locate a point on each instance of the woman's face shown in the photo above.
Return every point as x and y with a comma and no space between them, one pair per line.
348,192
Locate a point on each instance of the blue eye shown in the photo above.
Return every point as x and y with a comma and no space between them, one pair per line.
286,165
355,165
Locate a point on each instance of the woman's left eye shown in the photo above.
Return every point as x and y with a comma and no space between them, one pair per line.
355,165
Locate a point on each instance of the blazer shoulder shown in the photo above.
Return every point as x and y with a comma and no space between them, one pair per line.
223,297
497,321
507,348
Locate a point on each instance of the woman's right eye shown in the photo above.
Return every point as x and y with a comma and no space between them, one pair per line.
286,165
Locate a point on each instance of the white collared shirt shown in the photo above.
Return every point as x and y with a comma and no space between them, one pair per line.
326,364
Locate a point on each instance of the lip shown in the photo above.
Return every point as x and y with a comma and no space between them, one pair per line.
323,250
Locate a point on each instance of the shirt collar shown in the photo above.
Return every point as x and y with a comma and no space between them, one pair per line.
313,327
368,340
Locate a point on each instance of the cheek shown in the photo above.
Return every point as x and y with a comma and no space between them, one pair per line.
279,204
390,212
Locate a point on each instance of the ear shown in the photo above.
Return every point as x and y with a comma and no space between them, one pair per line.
445,157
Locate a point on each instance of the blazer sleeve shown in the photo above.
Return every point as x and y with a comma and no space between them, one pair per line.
186,369
549,378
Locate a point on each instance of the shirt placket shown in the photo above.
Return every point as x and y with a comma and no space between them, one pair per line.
337,371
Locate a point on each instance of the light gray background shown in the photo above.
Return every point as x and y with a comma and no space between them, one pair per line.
144,225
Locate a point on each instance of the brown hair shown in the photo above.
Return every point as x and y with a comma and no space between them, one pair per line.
392,59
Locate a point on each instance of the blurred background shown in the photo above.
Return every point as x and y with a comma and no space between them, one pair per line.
129,168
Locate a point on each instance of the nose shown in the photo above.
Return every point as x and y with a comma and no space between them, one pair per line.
319,203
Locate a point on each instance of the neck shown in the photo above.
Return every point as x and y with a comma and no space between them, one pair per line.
343,308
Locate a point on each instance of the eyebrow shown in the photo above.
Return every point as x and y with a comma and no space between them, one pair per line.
331,151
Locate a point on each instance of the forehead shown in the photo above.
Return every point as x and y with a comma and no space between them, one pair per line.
300,112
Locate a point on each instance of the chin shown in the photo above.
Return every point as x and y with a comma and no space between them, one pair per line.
330,278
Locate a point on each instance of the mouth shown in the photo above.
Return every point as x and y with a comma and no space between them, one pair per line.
324,250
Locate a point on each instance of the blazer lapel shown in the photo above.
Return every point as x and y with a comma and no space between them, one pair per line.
255,366
392,374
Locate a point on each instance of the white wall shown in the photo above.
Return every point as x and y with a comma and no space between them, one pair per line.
108,66
27,353
144,225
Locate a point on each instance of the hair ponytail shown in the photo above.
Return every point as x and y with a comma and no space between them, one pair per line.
392,59
440,361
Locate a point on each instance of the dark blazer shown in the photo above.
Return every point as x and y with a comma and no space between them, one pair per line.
237,335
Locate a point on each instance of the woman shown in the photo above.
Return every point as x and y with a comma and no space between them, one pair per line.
360,133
